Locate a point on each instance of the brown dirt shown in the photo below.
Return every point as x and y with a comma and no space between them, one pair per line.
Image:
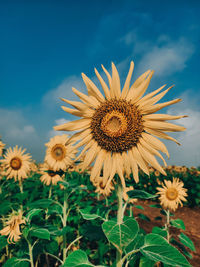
190,216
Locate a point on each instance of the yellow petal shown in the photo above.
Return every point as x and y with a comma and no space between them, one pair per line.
163,126
115,82
90,156
128,80
136,93
109,81
85,149
141,79
151,109
92,89
103,84
85,98
161,135
148,96
155,143
78,105
77,136
74,125
98,164
140,161
151,150
162,117
148,157
134,166
154,99
72,111
84,141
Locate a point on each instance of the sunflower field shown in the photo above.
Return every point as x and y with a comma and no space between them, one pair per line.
110,204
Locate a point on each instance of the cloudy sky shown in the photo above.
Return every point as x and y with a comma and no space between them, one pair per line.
46,44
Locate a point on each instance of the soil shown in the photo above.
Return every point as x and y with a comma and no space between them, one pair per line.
190,216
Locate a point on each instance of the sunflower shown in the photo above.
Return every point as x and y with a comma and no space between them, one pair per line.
13,227
58,154
2,145
172,194
16,163
119,130
49,176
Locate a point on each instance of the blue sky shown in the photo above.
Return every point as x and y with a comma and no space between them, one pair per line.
45,45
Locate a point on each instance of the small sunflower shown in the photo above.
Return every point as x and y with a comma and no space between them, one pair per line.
13,227
49,176
2,145
118,130
172,194
102,189
16,163
59,155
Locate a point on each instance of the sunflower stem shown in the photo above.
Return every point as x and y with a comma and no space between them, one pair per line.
167,225
21,186
119,219
65,207
30,248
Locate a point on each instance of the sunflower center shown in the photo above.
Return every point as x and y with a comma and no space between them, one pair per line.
58,152
15,163
172,193
114,124
51,173
117,125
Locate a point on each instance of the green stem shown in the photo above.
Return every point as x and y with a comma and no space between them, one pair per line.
65,207
119,219
21,186
50,192
168,225
30,253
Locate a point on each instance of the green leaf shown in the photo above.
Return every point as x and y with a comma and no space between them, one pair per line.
16,262
32,213
77,258
145,262
25,231
3,242
144,217
138,207
41,233
156,248
42,203
185,240
120,235
159,231
155,206
88,216
140,194
178,223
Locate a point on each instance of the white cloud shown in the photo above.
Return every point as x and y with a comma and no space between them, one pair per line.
189,152
52,98
53,133
167,57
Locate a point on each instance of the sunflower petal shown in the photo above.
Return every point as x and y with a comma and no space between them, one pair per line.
128,80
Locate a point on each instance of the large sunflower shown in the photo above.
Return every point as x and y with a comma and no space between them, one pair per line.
16,163
59,155
119,130
172,194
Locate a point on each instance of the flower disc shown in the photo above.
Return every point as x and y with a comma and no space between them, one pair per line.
15,163
117,125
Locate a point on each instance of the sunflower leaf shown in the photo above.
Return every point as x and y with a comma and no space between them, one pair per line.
140,194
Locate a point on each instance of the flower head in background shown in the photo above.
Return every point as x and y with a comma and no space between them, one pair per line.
118,130
49,176
16,163
12,228
172,194
2,145
59,155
